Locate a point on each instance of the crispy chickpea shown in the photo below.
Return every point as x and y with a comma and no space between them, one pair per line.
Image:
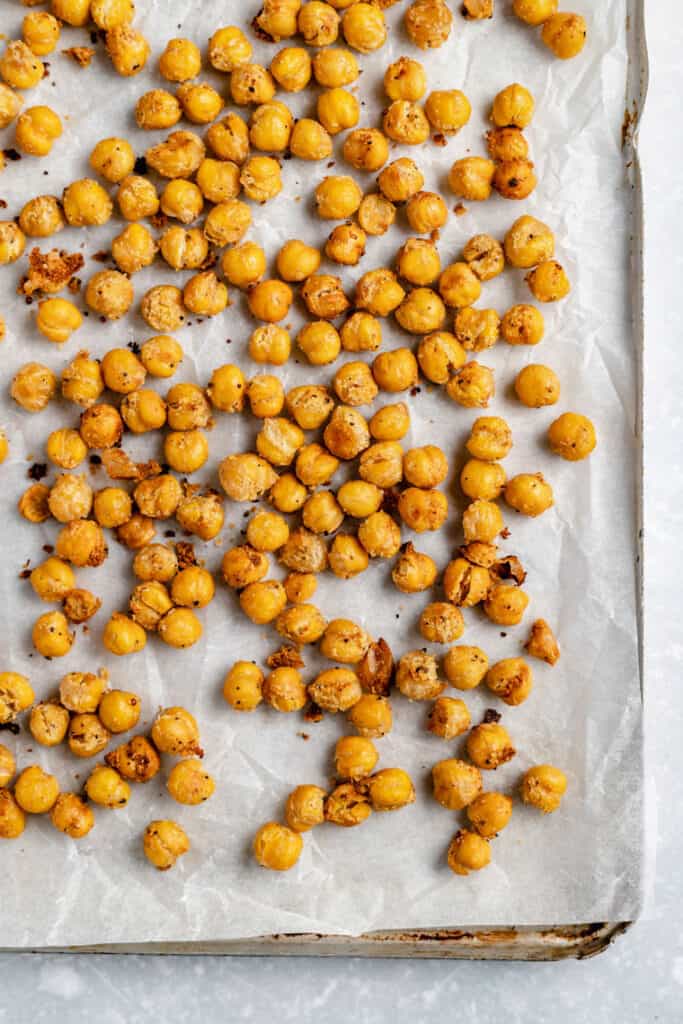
243,565
376,670
421,312
490,439
360,498
133,249
371,716
338,110
318,23
123,636
106,788
189,782
260,178
439,354
346,245
70,498
320,342
354,384
137,532
136,760
414,571
266,396
390,789
283,690
263,601
279,440
406,122
193,587
51,635
112,507
459,286
36,130
88,736
418,262
65,448
277,19
40,32
379,292
473,386
305,808
366,149
405,79
465,667
227,388
101,426
529,493
510,679
157,109
505,605
122,371
7,768
425,467
182,200
12,242
143,410
529,242
543,786
347,557
468,851
537,385
354,758
441,622
251,84
108,13
490,813
447,110
300,587
456,783
137,197
162,308
19,67
423,509
52,579
417,676
301,624
267,531
572,436
315,466
522,325
270,300
390,423
179,156
344,641
362,332
476,329
110,293
41,217
376,214
513,106
334,67
244,265
85,204
186,451
472,178
275,846
335,689
448,718
200,102
188,407
428,23
180,628
72,816
10,105
128,50
119,710
205,295
482,480
81,692
297,261
155,562
48,723
79,605
382,464
243,686
426,212
489,746
71,12
16,695
347,806
229,139
310,140
346,434
534,12
218,180
291,68
565,34
309,405
33,505
380,535
514,179
363,27
227,222
175,732
33,386
505,144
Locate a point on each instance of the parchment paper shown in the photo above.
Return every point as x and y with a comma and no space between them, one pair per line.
581,864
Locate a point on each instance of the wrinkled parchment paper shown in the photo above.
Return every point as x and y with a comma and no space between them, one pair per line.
582,864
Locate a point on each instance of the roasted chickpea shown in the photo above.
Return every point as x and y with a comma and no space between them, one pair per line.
376,214
260,178
376,670
123,636
366,149
320,342
291,68
227,388
428,23
459,286
133,249
263,601
510,679
337,110
65,448
137,197
417,676
51,635
229,139
243,565
88,736
155,562
465,667
467,852
284,690
425,467
490,439
81,692
33,505
122,371
382,464
16,695
490,813
363,27
193,587
522,325
108,13
473,386
426,212
572,436
218,180
143,410
40,32
354,384
41,217
406,122
7,768
371,716
205,295
305,808
355,757
456,783
335,689
315,466
439,354
119,710
476,329
112,507
346,245
543,786
105,787
344,641
309,139
448,718
200,102
128,50
513,106
251,84
472,178
380,535
266,396
318,23
529,493
182,199
347,806
270,300
33,386
72,816
101,426
505,605
489,746
70,498
189,783
175,732
12,242
179,156
414,571
279,440
309,405
347,557
19,67
515,179
162,308
242,687
528,243
405,79
10,105
300,587
52,579
333,67
227,222
422,311
110,293
447,110
534,12
186,451
423,509
136,760
48,723
297,261
418,262
157,109
71,12
180,627
36,130
506,144
188,407
537,386
441,622
244,265
362,332
301,624
275,846
137,532
85,204
564,34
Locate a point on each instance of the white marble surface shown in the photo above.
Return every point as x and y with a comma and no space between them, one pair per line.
640,979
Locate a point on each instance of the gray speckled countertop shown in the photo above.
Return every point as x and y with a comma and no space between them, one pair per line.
640,979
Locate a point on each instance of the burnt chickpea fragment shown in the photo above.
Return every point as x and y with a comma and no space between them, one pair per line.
455,783
543,786
542,643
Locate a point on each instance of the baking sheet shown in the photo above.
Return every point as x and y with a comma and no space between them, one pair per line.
585,715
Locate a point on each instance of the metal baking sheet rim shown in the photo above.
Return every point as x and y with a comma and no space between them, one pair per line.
556,942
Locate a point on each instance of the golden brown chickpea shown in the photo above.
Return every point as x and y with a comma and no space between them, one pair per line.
119,710
333,67
106,788
12,242
510,679
382,464
321,513
110,293
227,388
529,242
157,109
459,286
534,12
143,410
137,197
123,636
297,261
155,562
179,156
366,149
380,535
362,332
515,179
275,846
346,434
318,23
346,245
338,110
439,354
133,249
33,386
188,407
263,601
270,300
421,312
482,480
565,34
522,325
426,212
242,687
472,178
175,732
376,670
251,84
301,624
465,667
128,50
513,106
112,507
40,32
391,422
19,67
284,690
335,689
71,12
489,746
390,789
267,531
278,440
227,222
490,439
33,505
72,816
138,531
300,587
291,68
360,498
371,716
266,396
244,265
428,23
347,806
344,641
418,262
79,605
309,405
379,292
456,783
529,493
7,769
229,138
324,296
36,130
51,635
505,144
355,758
354,385
10,105
162,308
122,371
305,808
310,140
136,760
41,217
441,622
200,102
414,571
65,448
447,110
189,783
406,122
70,498
423,509
505,605
101,426
81,692
48,723
467,852
572,436
193,587
448,718
182,199
260,178
417,676
52,579
218,180
363,27
537,385
88,736
405,79
180,628
16,695
476,329
85,204
425,467
205,295
473,386
543,786
489,814
229,48
108,13
376,214
320,342
347,557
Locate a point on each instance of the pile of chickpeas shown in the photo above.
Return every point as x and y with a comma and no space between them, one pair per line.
198,191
